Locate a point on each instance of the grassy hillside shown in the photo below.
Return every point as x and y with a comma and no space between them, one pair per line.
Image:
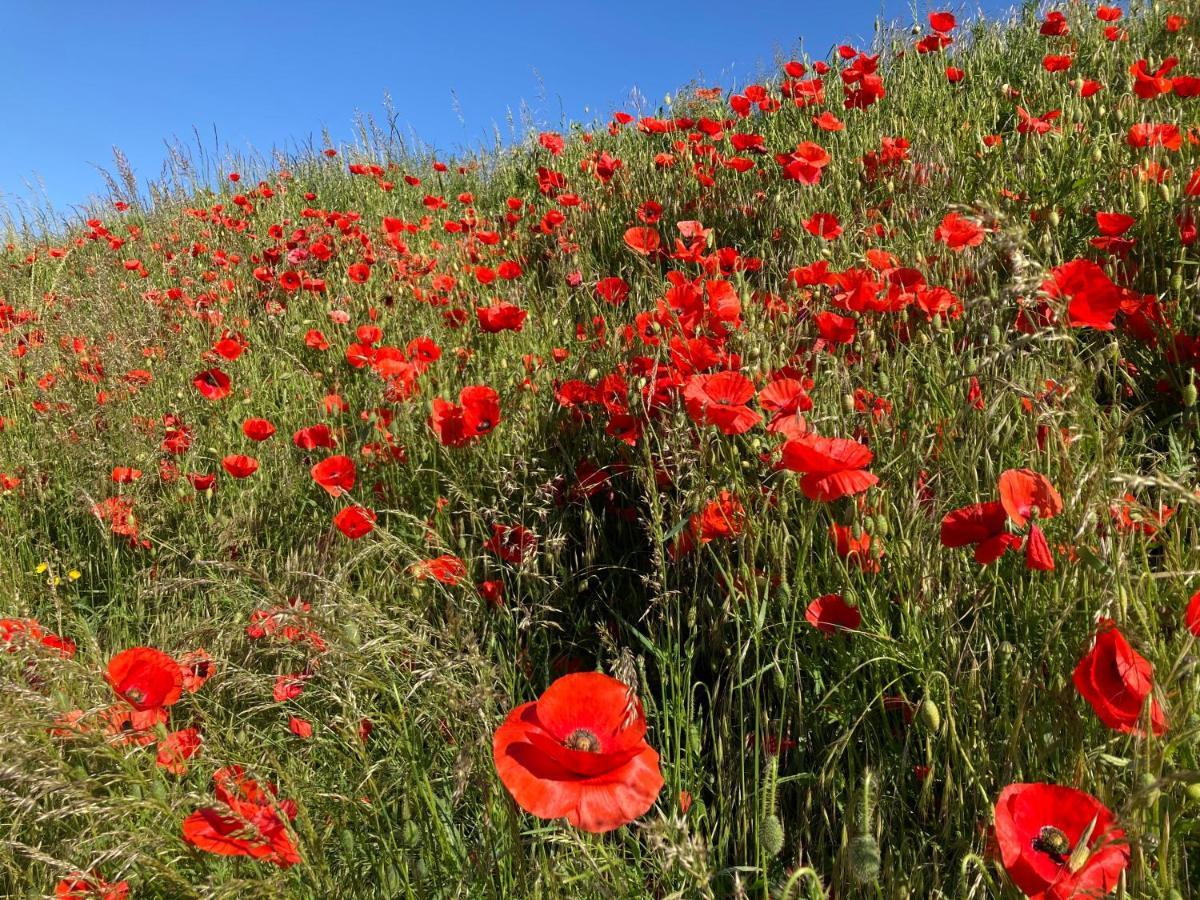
848,420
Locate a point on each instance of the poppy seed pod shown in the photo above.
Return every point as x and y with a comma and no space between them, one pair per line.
929,715
771,836
863,859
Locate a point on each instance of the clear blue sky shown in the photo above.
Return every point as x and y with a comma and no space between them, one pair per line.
83,77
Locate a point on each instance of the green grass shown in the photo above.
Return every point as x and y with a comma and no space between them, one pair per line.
722,650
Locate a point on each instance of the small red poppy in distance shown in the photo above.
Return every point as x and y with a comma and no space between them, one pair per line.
1117,680
355,521
499,317
176,749
642,240
477,414
579,751
832,467
335,474
830,613
213,384
1057,842
958,233
257,429
721,400
238,465
145,678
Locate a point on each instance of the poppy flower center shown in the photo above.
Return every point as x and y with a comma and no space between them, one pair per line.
582,739
136,695
1053,843
484,425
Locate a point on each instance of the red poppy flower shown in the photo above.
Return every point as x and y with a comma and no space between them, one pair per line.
1117,680
958,233
1093,300
512,543
238,465
943,22
580,751
355,521
642,240
446,568
196,668
212,384
836,329
249,823
824,225
833,467
830,613
176,749
804,164
721,400
500,317
336,475
314,436
1026,494
257,429
1039,828
90,887
981,524
145,678
1192,616
477,414
1037,551
613,290
723,518
201,481
785,399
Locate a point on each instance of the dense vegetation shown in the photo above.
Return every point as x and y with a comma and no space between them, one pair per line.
717,401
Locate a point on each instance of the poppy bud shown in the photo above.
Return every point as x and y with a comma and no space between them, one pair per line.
1177,280
770,835
1053,218
848,402
1149,789
1189,394
862,856
929,715
1097,156
1143,202
885,383
1192,791
994,335
880,525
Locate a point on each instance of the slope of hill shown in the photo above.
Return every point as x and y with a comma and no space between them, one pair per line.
846,422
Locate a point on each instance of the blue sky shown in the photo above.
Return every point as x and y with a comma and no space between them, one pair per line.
83,77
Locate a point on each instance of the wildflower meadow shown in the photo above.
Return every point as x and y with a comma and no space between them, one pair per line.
789,492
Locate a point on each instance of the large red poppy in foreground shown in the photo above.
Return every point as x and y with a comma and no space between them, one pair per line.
145,678
579,751
1039,828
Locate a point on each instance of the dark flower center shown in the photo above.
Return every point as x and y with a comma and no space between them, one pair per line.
582,739
1053,843
135,695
